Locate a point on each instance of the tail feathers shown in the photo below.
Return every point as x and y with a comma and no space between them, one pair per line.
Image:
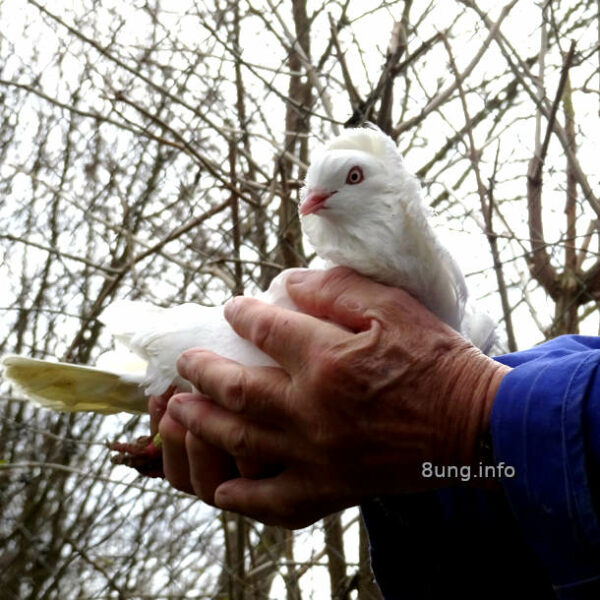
126,320
157,336
74,388
480,329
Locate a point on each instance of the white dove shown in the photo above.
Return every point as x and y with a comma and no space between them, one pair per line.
360,208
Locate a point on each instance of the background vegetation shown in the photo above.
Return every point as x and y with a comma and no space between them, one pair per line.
155,150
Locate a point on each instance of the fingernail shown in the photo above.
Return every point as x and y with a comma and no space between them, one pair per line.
187,358
297,277
183,361
231,307
177,407
223,496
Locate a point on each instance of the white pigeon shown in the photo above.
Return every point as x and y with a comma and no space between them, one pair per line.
360,208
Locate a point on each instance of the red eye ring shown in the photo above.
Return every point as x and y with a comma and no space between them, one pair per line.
355,175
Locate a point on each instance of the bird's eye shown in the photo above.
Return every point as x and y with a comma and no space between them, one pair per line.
355,175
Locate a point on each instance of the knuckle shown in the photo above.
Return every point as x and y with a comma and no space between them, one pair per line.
262,329
234,391
350,303
194,424
238,440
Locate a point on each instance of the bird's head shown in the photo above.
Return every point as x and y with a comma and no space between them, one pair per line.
355,185
350,173
362,209
340,181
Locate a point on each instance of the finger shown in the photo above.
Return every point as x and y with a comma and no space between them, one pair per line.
285,335
258,392
157,405
282,500
343,296
229,431
254,469
209,467
175,463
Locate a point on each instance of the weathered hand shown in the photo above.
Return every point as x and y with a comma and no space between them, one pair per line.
212,464
359,403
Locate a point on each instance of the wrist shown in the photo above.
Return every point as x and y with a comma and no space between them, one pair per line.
473,380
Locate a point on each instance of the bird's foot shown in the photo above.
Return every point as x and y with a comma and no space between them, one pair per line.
144,455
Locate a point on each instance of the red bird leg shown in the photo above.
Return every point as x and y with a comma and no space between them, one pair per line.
144,455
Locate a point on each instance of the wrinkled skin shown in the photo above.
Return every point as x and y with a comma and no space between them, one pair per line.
358,404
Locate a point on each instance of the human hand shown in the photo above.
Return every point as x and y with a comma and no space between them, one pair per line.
353,412
214,464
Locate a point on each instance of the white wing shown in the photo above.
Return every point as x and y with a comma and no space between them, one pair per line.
155,337
68,387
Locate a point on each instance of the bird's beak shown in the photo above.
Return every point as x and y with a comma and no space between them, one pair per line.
314,201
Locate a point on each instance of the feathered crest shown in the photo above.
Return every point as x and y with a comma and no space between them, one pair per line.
369,139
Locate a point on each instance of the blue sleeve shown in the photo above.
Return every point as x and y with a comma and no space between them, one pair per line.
545,424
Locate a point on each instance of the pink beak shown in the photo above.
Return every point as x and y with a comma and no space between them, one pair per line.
314,201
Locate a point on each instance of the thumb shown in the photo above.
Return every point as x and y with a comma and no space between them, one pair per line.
339,295
279,500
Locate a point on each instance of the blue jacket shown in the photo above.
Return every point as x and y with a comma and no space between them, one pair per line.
539,537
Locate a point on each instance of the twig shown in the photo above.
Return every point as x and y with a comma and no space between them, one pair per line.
520,65
58,253
440,98
349,85
296,47
540,265
540,80
487,210
132,70
238,288
567,63
89,474
587,238
205,162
